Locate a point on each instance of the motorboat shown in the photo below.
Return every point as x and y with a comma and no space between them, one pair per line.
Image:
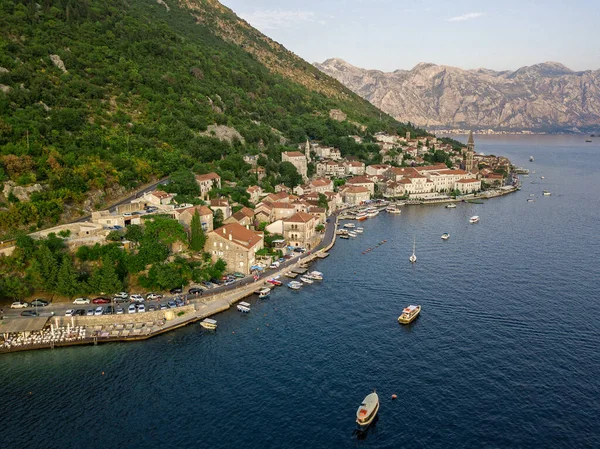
413,257
344,236
367,410
263,292
372,212
542,177
352,234
531,159
349,225
530,200
474,219
445,236
295,285
359,230
409,314
341,232
306,280
243,307
393,210
316,275
361,216
546,193
208,323
275,282
451,206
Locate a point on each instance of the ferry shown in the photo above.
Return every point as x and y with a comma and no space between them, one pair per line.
359,230
263,292
409,314
445,236
546,193
208,323
367,411
306,280
316,275
243,307
295,285
474,219
451,206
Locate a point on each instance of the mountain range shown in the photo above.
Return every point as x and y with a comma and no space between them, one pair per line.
547,97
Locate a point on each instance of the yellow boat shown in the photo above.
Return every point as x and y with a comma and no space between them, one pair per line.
409,314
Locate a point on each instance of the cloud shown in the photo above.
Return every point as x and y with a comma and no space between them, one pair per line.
468,16
277,19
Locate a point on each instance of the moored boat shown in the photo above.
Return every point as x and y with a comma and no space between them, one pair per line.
274,281
409,314
243,307
306,280
344,236
445,236
208,323
451,206
295,285
316,275
352,234
474,219
359,230
393,210
361,216
349,225
367,410
263,292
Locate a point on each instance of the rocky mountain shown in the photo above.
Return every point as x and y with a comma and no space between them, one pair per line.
542,97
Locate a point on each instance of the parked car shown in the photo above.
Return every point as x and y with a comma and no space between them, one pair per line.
123,295
176,291
216,281
274,265
229,281
99,311
90,312
207,284
172,304
101,300
80,301
109,310
19,305
79,312
179,303
131,308
120,310
39,303
163,306
29,313
239,275
153,296
151,307
195,291
141,308
70,312
136,298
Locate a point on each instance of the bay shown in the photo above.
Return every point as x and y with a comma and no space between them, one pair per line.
504,354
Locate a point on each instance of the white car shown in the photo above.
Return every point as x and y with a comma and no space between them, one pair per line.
119,310
153,296
90,312
70,312
123,295
136,298
141,308
19,305
81,301
99,311
131,308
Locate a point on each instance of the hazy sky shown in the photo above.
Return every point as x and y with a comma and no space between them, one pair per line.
398,34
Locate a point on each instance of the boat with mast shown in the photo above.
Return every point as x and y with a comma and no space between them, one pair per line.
413,257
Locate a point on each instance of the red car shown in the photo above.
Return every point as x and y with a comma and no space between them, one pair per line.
101,301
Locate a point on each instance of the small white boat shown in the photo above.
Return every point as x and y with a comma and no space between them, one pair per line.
295,285
532,194
367,410
445,236
530,200
542,177
315,275
359,230
393,210
451,206
546,193
413,257
243,307
352,234
208,323
474,219
263,292
306,280
344,236
530,158
349,225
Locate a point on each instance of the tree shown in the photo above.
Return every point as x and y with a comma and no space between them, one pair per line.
323,201
165,230
67,283
134,233
48,268
106,280
218,219
14,287
289,175
197,237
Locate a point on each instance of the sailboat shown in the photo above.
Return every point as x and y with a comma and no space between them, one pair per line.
413,258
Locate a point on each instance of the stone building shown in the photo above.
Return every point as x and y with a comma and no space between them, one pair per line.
236,245
298,160
299,230
207,182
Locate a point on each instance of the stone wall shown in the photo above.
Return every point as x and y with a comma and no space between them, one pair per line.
104,320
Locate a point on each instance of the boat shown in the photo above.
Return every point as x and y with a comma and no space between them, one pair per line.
530,158
341,232
289,274
445,236
367,410
361,216
409,314
295,285
306,280
542,177
451,206
546,193
413,257
275,282
316,275
359,230
243,307
352,234
208,323
532,194
263,292
372,212
393,210
349,225
474,219
344,236
588,140
530,200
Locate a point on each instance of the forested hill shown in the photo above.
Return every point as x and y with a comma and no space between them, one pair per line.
97,97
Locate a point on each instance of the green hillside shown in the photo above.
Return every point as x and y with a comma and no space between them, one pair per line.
140,85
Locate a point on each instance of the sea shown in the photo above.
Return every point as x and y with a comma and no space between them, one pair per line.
505,353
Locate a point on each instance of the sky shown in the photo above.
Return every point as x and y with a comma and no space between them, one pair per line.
398,34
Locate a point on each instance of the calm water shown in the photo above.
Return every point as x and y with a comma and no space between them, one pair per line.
505,354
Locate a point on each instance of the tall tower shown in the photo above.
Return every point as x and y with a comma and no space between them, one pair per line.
469,152
307,151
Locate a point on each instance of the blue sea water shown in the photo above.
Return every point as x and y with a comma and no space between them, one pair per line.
504,355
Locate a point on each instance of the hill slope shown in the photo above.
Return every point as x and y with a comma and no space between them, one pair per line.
542,97
100,97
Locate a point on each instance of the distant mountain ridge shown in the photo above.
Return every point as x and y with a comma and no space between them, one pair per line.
541,97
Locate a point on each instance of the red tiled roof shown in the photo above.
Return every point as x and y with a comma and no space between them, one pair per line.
299,217
293,154
239,235
207,177
468,180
